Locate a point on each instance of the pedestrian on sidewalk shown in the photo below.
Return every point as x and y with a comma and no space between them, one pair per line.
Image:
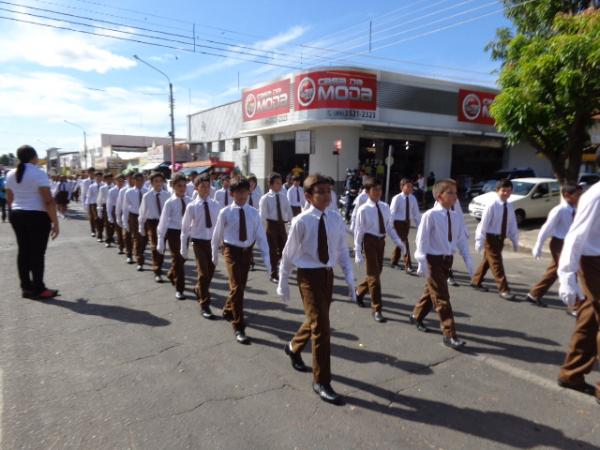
557,225
33,218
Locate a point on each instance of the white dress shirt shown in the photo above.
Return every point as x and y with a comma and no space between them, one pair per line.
302,247
491,222
190,189
170,218
255,196
132,201
268,206
121,211
223,197
149,208
367,222
398,208
85,185
103,193
92,194
358,201
295,196
583,239
557,225
111,202
227,230
194,222
27,195
432,237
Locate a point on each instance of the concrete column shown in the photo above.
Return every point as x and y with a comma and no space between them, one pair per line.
324,161
438,156
261,160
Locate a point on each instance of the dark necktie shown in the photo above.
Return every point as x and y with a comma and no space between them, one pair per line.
380,218
226,198
207,219
279,215
449,226
139,197
158,203
251,202
243,232
182,206
573,214
323,247
298,195
407,214
504,222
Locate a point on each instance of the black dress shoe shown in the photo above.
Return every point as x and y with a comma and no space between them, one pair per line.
295,358
327,394
454,343
418,323
179,295
535,301
359,299
228,316
583,387
207,313
411,271
452,282
480,288
241,338
508,296
121,252
379,317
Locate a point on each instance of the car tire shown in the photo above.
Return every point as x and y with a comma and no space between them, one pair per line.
520,216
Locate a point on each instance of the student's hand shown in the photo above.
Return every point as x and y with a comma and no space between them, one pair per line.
422,270
537,252
54,231
401,246
160,248
215,259
352,293
283,290
478,247
142,231
358,258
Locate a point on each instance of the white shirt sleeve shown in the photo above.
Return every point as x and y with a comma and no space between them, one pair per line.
547,229
186,229
217,238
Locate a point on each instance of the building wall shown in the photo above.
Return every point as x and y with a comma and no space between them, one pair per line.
324,161
523,155
438,156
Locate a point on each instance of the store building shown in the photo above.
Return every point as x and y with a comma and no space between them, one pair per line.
429,125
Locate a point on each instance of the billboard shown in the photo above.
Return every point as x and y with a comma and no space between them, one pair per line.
266,101
474,107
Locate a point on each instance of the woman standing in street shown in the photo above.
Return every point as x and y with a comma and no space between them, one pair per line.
33,217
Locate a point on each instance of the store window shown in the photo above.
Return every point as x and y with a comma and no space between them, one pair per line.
236,144
252,142
221,146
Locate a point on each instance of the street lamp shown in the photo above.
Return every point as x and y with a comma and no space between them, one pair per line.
171,105
85,149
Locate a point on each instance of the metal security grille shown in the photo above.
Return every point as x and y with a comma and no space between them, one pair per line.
413,98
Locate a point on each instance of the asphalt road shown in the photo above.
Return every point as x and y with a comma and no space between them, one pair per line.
117,363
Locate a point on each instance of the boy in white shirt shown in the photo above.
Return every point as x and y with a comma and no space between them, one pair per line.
111,209
223,196
295,196
404,208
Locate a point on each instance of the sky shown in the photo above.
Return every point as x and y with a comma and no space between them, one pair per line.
50,74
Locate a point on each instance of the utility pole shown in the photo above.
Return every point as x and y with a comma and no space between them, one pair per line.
370,33
85,148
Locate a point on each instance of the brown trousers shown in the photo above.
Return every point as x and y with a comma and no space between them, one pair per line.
548,279
585,343
492,259
92,216
316,289
296,210
116,228
436,294
373,249
276,237
110,230
101,222
176,273
205,269
237,260
139,241
150,227
402,228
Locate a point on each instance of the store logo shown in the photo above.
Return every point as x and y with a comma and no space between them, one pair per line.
264,102
306,91
250,105
471,106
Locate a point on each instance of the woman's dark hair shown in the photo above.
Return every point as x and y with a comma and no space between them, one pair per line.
25,153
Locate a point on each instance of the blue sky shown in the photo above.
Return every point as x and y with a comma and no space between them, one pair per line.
50,75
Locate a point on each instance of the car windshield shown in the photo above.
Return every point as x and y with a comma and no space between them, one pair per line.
522,188
488,186
590,179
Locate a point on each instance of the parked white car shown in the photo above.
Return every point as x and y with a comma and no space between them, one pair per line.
532,198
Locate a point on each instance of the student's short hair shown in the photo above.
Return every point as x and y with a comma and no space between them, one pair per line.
239,184
108,175
570,188
98,174
295,178
138,176
371,183
274,176
157,174
404,181
442,186
314,180
503,183
331,181
91,169
179,177
121,177
201,179
252,177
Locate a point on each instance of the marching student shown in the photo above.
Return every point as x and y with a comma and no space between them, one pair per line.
457,208
85,185
238,227
333,205
223,195
198,224
255,192
190,188
288,183
439,234
557,225
295,196
276,212
111,208
62,196
122,217
581,255
316,244
404,208
373,223
358,201
169,230
131,209
102,211
497,223
151,208
91,199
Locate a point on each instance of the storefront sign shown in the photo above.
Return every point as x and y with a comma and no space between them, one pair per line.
474,107
266,101
349,90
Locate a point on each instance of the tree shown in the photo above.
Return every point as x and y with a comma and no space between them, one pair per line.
7,159
550,80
